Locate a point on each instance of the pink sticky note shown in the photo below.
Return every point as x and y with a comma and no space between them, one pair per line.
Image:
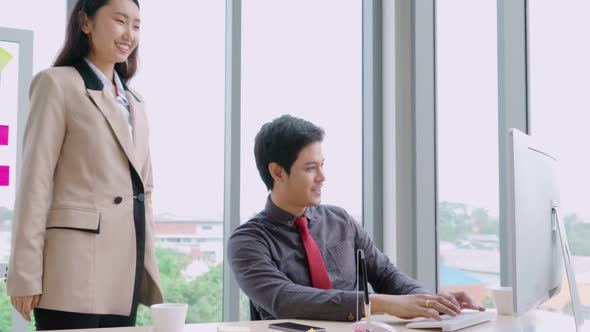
4,175
3,135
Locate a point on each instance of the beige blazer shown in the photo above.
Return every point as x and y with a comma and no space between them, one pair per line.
73,238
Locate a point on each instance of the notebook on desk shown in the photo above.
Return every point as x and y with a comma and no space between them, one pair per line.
450,323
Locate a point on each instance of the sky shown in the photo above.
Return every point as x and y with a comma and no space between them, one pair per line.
467,98
289,68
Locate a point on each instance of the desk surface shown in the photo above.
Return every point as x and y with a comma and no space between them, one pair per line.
535,321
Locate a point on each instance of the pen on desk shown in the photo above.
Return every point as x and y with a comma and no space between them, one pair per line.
363,268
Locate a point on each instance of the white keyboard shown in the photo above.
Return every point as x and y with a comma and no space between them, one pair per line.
449,323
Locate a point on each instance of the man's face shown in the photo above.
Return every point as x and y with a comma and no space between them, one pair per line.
303,186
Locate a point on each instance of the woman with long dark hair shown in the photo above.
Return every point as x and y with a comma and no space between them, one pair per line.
83,252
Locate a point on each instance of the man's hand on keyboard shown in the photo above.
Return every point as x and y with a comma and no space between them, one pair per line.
412,306
461,300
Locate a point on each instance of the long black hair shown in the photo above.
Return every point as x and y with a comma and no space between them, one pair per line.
77,45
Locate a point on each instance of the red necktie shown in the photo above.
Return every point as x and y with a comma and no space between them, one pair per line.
319,275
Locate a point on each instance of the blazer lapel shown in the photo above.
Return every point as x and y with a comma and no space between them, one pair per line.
110,110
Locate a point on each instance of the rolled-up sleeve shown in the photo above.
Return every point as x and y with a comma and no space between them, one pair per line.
270,289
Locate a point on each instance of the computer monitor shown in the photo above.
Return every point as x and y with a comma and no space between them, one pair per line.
539,247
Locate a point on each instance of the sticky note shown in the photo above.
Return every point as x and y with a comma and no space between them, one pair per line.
4,175
5,57
3,135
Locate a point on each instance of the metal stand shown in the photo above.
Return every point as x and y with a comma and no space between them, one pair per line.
569,271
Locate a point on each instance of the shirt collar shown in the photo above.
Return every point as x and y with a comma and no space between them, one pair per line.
281,216
107,82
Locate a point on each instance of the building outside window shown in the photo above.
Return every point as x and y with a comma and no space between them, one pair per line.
467,141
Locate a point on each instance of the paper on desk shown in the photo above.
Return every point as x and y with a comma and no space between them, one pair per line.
5,57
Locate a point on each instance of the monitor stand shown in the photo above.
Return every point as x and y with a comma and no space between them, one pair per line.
569,271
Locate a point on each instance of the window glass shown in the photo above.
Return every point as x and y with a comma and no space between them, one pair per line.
181,77
9,61
558,109
467,142
47,21
304,58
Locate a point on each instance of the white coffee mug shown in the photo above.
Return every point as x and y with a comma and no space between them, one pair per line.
169,317
503,299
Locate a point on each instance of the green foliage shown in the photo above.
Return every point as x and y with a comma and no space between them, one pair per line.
453,221
492,226
6,311
5,213
480,215
203,294
578,234
31,324
483,223
5,322
143,317
206,294
456,222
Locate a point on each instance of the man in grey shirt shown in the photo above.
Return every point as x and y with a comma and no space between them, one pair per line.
279,269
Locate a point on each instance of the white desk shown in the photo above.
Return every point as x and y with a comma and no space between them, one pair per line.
535,321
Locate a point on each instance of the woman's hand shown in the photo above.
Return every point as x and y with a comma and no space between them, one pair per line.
25,304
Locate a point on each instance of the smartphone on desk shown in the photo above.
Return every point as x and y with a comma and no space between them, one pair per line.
294,327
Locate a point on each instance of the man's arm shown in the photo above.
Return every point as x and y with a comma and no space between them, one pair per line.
382,274
400,295
260,279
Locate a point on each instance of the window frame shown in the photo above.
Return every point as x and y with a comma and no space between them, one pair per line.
415,107
372,114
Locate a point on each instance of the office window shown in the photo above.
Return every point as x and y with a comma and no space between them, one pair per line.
558,109
181,76
47,20
467,141
8,127
304,58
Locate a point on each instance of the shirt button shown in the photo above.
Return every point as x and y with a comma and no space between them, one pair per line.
350,316
118,200
140,197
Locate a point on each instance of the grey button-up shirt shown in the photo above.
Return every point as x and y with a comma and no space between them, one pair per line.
268,259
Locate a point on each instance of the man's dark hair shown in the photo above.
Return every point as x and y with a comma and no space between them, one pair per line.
280,141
